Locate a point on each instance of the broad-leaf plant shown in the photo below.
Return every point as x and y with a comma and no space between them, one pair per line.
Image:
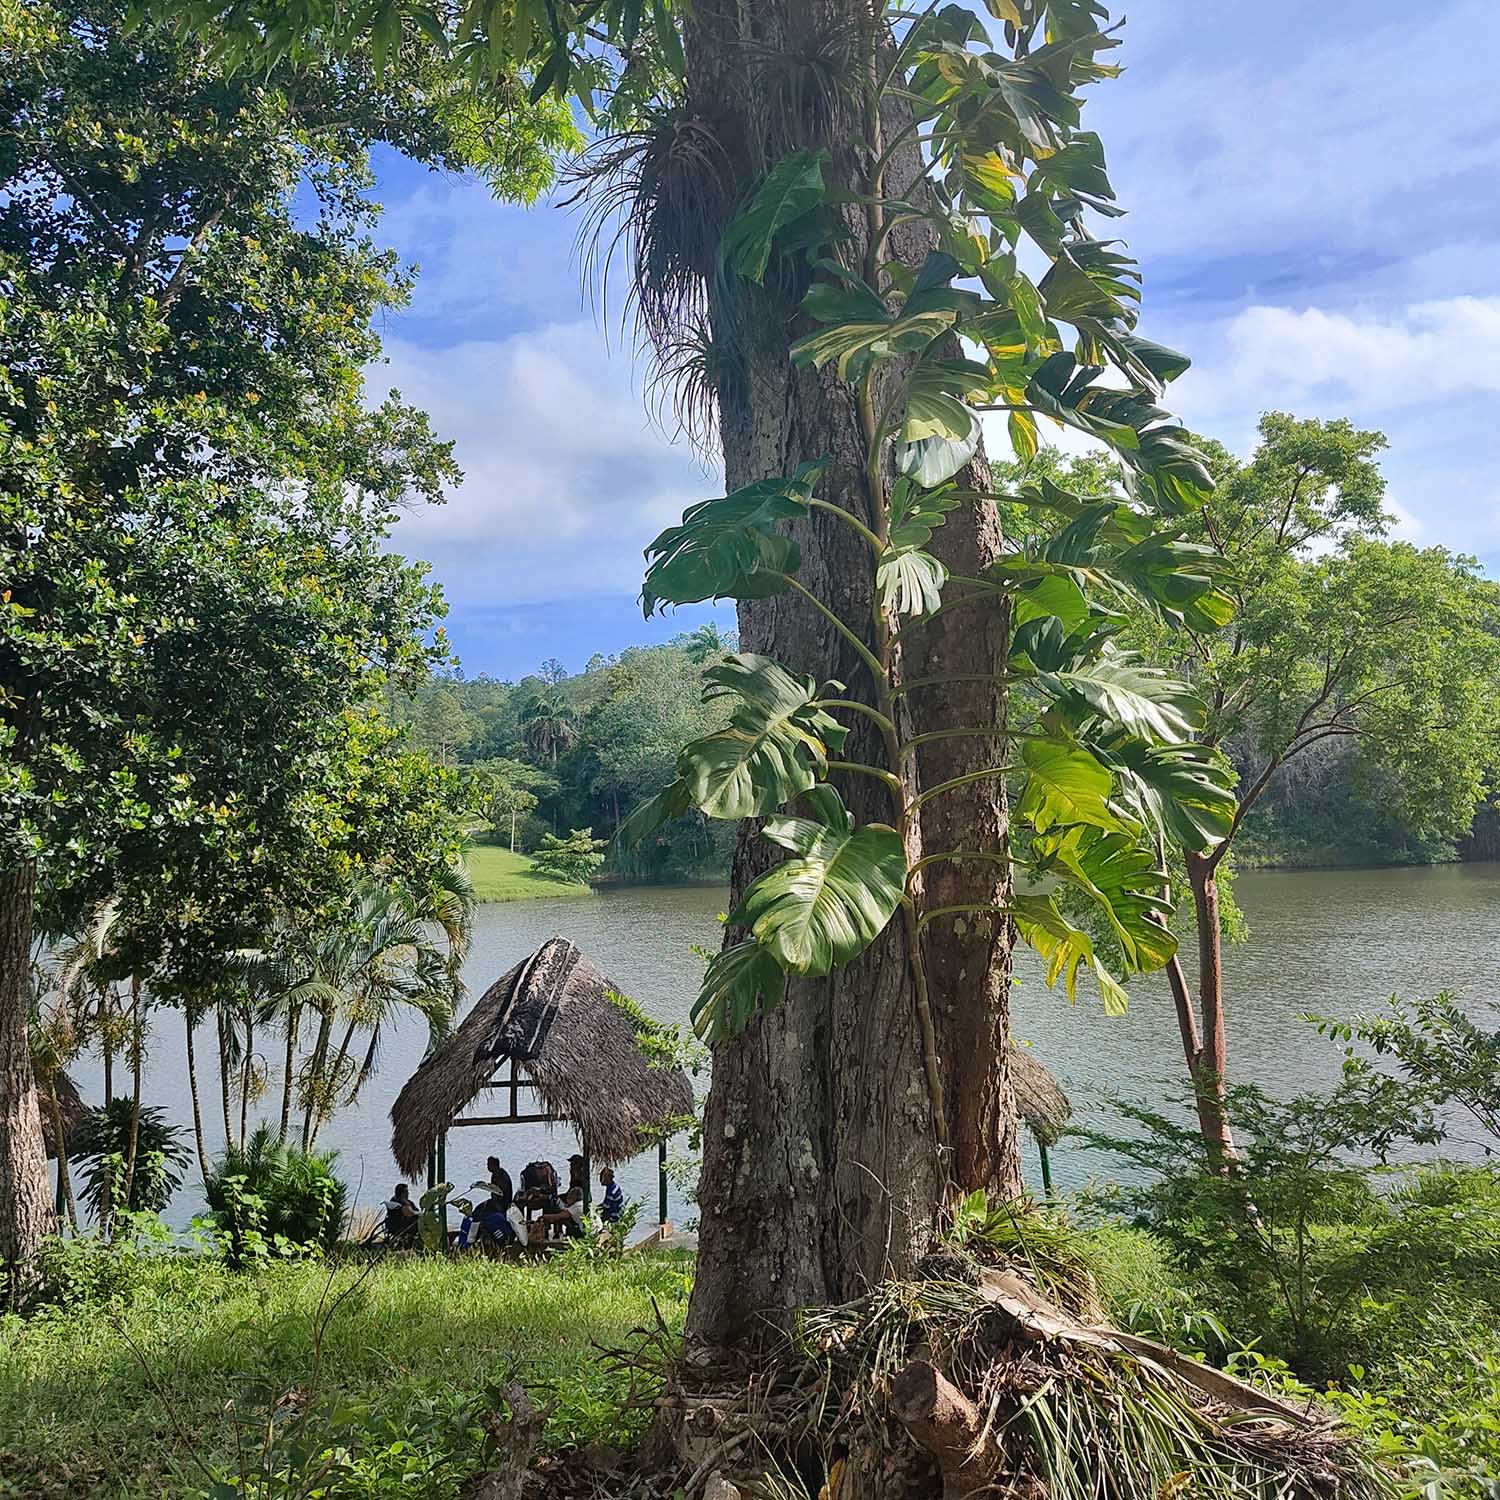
1021,311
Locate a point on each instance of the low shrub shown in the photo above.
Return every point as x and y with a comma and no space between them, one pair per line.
269,1199
102,1146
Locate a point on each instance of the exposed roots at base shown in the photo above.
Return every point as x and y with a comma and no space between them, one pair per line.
965,1380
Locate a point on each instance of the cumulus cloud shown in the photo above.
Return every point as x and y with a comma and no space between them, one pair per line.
1241,129
565,480
1426,352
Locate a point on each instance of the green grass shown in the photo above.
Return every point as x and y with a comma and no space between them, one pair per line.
79,1415
499,875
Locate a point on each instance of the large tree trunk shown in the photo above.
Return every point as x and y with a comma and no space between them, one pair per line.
969,954
821,1171
25,1199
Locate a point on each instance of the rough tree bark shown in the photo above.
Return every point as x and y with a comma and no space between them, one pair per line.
25,1202
820,1169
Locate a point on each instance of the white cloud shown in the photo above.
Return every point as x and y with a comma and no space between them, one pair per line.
565,479
1426,352
1255,128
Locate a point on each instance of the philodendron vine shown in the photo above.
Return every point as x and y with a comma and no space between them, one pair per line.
1100,742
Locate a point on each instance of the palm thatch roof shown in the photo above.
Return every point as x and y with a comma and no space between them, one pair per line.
70,1101
1039,1098
562,1021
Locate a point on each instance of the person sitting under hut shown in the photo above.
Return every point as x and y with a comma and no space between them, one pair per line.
489,1226
613,1206
401,1217
538,1188
500,1181
568,1219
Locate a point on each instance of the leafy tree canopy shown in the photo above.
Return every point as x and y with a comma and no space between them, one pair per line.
199,610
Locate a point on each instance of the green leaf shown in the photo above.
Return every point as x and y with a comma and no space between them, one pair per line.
1180,580
776,744
721,545
854,347
1065,784
1053,596
741,983
932,461
668,804
794,188
910,581
917,512
1120,875
1185,790
1144,700
1066,949
668,39
822,908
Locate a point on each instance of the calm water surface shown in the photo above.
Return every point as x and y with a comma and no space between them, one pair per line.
1330,941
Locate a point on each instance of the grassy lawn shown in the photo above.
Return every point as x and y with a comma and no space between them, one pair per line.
499,875
417,1339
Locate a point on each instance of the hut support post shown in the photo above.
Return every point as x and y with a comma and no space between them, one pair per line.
442,1175
588,1176
661,1181
1046,1167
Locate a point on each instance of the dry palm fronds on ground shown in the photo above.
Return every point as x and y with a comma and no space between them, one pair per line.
965,1379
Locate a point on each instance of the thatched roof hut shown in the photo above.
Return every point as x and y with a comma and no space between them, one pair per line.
560,1020
73,1111
1039,1098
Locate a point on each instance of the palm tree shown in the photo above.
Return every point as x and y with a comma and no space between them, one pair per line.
354,976
548,725
704,643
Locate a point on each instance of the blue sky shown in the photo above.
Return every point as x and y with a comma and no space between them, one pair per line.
1313,200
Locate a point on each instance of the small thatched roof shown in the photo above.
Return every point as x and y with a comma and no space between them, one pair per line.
1040,1100
73,1112
555,1015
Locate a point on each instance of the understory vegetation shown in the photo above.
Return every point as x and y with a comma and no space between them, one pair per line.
123,1386
132,1380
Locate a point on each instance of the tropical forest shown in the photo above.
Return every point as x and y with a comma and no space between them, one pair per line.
749,751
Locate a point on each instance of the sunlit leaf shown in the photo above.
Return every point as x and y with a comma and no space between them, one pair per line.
740,983
775,746
823,907
1065,784
721,545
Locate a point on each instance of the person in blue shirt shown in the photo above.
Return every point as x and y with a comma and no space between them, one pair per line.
614,1200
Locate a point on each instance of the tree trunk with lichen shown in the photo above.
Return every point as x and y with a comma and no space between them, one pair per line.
821,1167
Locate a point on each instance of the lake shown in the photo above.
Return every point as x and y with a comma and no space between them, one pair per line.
1329,941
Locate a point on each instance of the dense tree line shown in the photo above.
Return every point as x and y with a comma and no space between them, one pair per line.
554,752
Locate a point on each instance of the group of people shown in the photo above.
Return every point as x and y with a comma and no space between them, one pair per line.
532,1215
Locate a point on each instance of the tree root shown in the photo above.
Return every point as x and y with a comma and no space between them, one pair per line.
971,1382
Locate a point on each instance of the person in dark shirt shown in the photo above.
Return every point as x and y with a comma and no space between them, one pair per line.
613,1205
401,1217
500,1180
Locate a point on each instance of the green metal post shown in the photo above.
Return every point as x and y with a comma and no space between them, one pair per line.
661,1181
1046,1168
